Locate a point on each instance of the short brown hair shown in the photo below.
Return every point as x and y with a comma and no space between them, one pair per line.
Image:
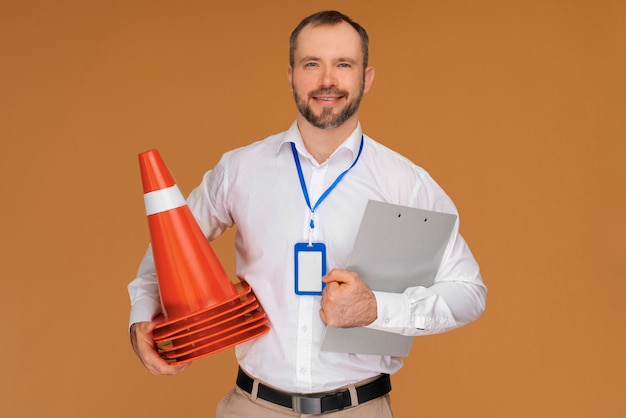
328,17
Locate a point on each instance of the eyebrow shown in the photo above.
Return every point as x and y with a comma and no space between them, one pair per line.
340,59
309,58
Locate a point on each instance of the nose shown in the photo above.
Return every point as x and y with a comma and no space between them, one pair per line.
328,77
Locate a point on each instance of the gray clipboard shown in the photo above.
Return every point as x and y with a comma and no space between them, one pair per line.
396,247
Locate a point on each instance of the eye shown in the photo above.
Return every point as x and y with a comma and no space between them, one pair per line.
344,65
310,65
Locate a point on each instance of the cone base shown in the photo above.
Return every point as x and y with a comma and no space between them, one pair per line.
227,328
166,327
210,341
245,309
217,346
211,330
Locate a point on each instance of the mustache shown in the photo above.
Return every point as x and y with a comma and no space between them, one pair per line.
330,91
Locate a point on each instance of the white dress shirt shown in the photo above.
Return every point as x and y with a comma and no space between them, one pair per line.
257,189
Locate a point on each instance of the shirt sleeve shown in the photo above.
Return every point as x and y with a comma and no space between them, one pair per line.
457,296
144,292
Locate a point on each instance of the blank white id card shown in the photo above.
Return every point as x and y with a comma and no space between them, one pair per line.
310,267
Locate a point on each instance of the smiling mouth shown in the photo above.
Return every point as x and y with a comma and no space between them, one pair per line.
327,99
328,96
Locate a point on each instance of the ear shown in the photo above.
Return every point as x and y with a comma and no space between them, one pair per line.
370,73
290,77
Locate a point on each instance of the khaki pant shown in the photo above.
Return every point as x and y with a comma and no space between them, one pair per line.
240,404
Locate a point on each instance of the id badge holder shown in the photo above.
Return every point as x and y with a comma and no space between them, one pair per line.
310,267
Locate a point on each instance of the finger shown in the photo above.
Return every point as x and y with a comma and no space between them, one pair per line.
338,276
158,365
324,317
144,346
330,288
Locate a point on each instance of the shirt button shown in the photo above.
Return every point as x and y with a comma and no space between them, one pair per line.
303,370
305,329
387,320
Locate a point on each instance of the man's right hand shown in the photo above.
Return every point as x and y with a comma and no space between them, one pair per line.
143,343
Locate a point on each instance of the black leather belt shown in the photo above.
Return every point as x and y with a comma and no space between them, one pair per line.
316,404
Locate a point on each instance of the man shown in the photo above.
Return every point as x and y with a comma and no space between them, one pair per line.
311,184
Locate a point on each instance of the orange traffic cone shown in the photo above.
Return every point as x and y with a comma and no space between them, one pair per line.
202,310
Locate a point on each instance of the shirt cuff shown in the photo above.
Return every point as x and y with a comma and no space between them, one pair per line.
394,311
399,314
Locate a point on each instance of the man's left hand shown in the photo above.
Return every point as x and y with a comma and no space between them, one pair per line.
347,301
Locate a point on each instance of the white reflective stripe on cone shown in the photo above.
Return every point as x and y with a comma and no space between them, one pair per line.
164,199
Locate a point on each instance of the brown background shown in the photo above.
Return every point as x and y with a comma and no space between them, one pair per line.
516,107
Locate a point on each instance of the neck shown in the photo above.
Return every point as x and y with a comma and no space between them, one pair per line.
321,143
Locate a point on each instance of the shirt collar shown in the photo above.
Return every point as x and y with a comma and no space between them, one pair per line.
351,143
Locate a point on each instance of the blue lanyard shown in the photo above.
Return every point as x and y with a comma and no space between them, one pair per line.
330,188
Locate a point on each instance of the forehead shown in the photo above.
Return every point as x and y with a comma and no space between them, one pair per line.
329,41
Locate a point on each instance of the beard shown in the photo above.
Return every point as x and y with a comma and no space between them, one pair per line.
327,119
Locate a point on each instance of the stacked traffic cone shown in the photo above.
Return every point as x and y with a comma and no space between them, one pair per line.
203,312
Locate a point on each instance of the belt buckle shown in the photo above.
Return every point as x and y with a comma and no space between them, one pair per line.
306,405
